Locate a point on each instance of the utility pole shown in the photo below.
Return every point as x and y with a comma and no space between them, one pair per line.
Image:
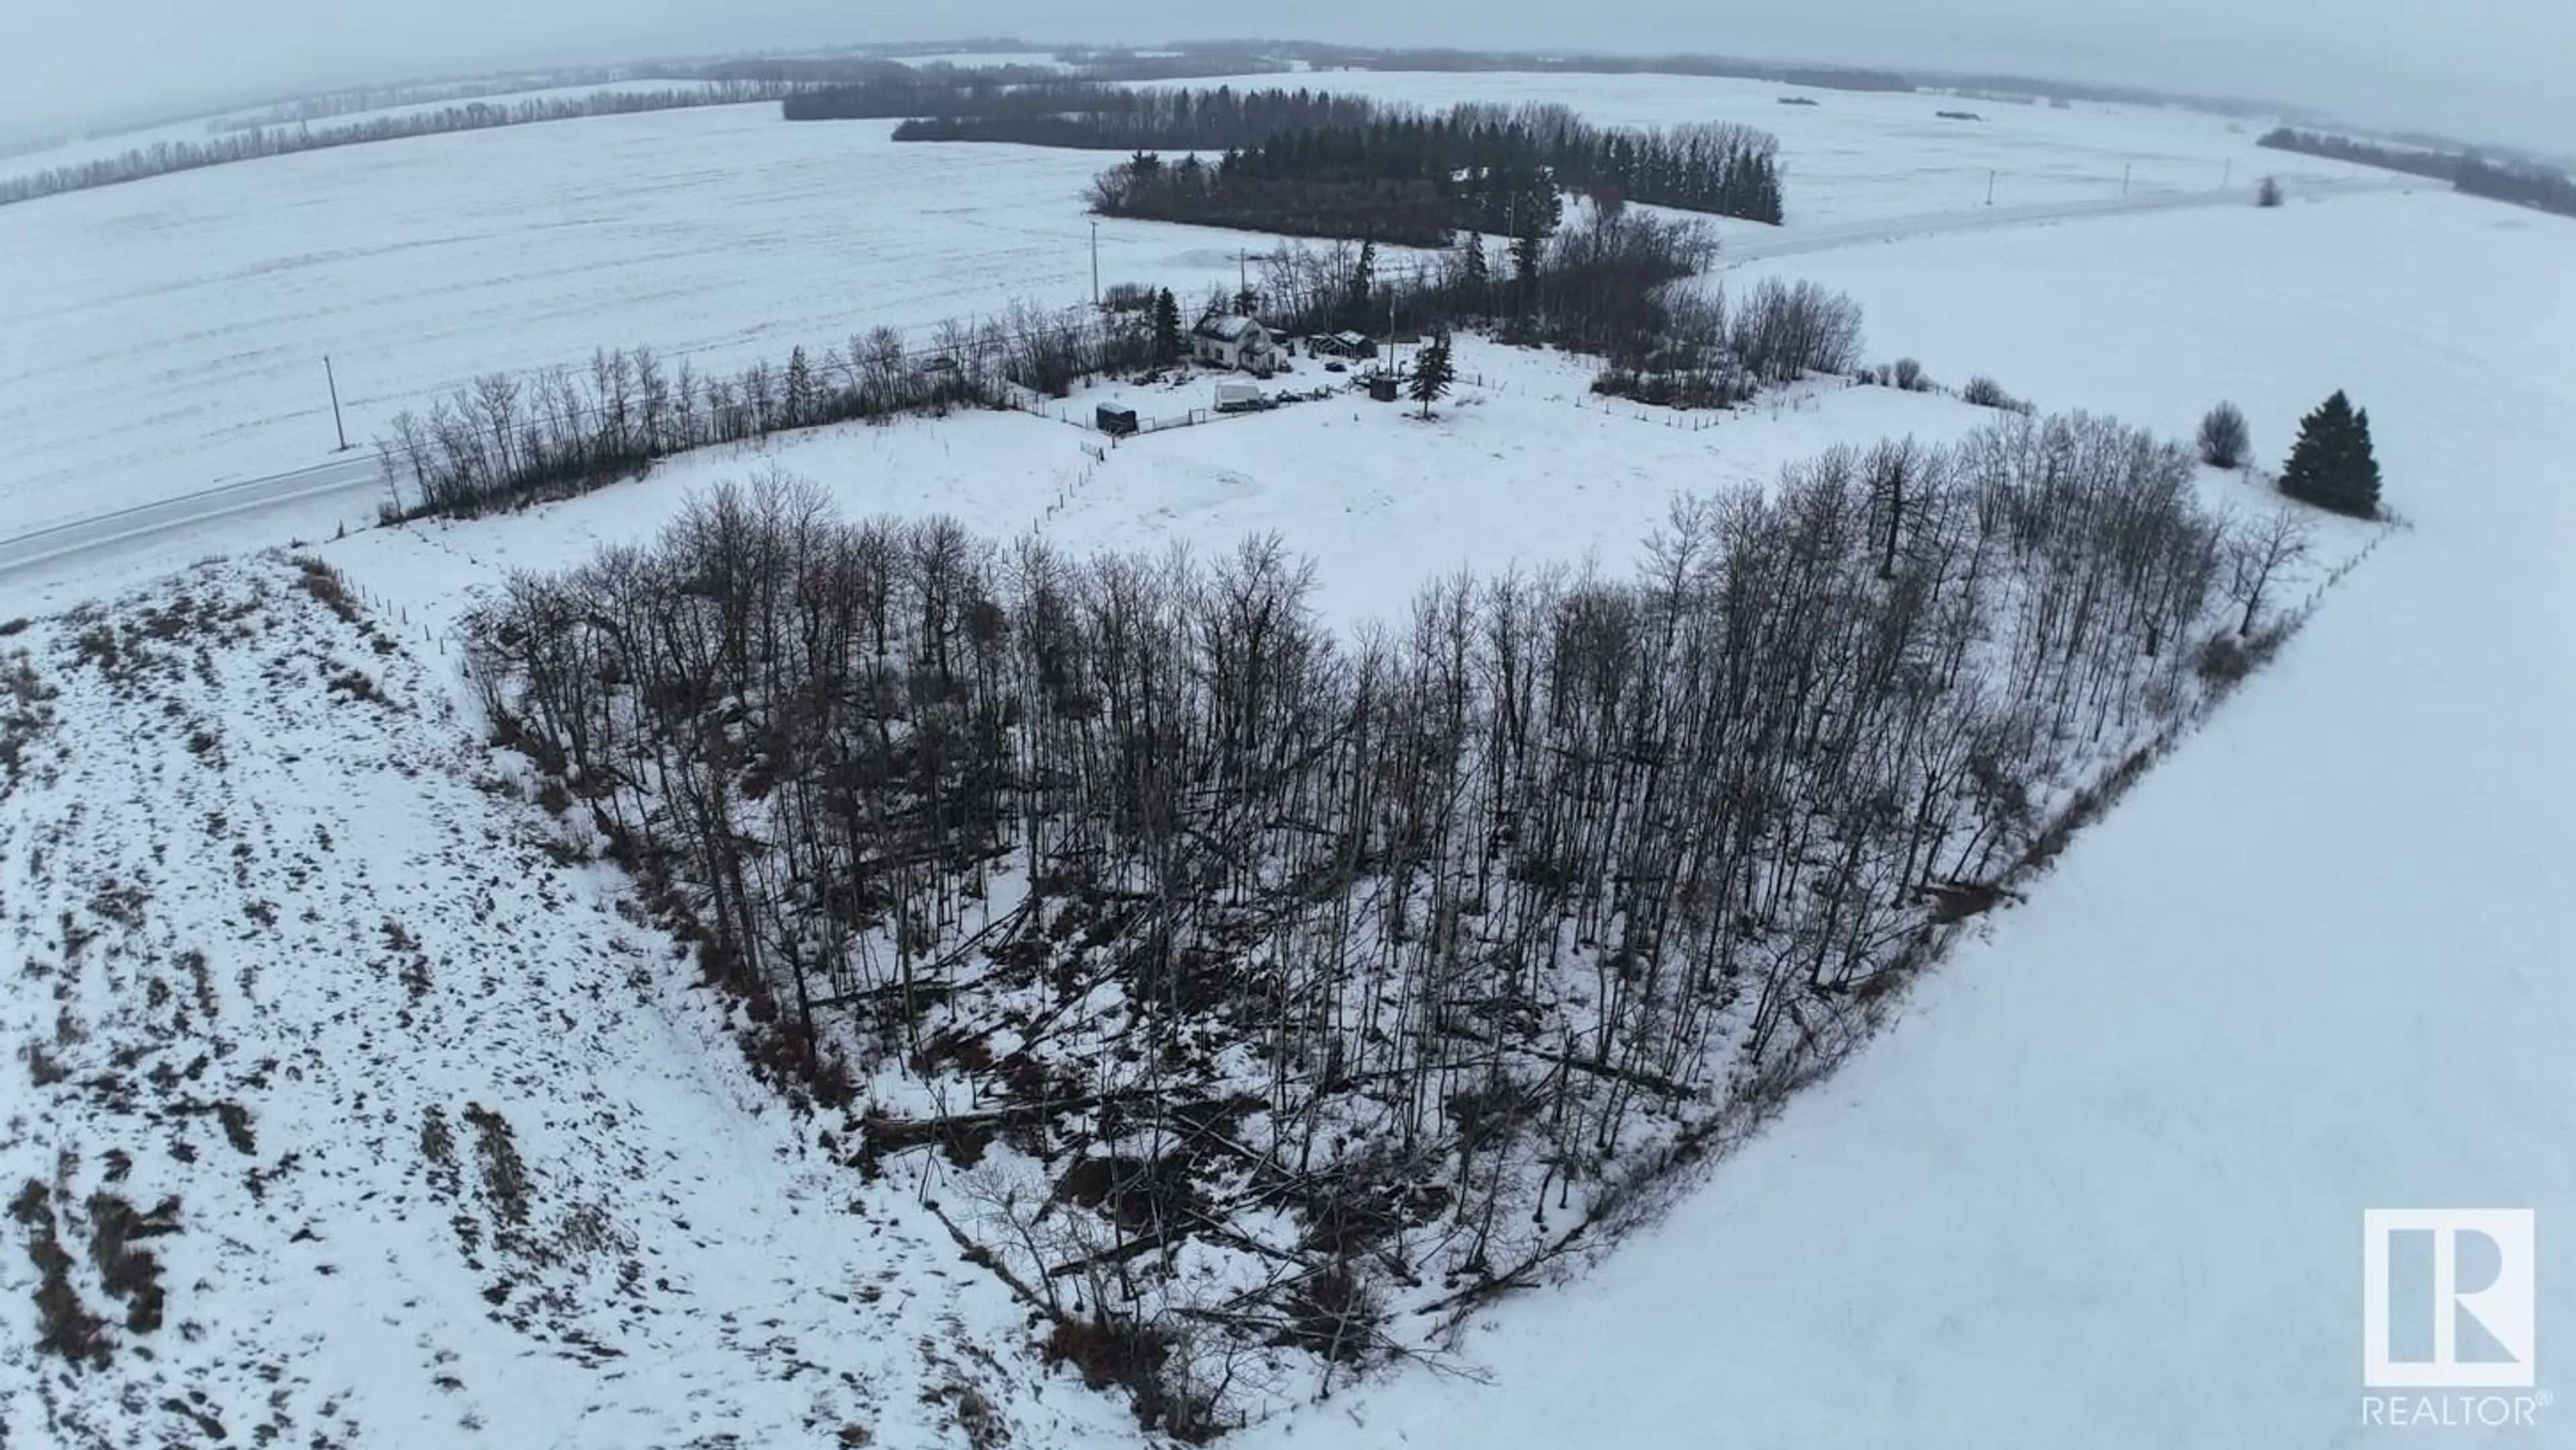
1990,188
336,425
2124,181
1095,266
2229,175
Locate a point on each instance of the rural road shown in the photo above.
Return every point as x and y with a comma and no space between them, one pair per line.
351,472
358,472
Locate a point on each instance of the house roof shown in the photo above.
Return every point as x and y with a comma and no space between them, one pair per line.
1226,329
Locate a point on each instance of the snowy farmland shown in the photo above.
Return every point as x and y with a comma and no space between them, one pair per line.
2099,1185
2104,1184
166,336
717,236
1859,156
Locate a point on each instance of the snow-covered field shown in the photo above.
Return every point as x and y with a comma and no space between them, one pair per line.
422,1141
166,336
1865,155
2102,1184
72,151
690,1265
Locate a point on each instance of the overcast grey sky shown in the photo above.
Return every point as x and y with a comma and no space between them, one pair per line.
2496,69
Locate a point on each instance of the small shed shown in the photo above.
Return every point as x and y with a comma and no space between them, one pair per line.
1342,344
1382,387
1112,419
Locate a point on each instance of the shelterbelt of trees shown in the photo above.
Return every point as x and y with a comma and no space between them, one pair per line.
2523,184
1310,162
1413,179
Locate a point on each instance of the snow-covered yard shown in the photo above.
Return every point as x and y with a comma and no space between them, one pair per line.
1522,466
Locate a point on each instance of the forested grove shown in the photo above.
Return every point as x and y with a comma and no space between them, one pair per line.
1320,142
2439,165
2532,186
1261,981
1414,180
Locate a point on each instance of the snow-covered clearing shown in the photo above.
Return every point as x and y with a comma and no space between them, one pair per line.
428,1144
2105,1186
1522,466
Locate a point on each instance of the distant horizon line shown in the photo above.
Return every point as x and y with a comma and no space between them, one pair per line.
107,126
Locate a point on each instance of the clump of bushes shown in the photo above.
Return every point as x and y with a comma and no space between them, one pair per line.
1985,392
2225,441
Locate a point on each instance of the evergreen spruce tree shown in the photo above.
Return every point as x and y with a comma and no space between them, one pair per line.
1529,249
801,400
1167,327
1432,373
1355,307
2332,465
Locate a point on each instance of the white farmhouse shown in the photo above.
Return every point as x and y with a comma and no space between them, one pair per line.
1226,341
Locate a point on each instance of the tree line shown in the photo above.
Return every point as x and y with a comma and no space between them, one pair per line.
1603,287
355,99
1404,179
2533,186
1280,150
2438,165
163,157
503,440
1844,78
2526,184
1361,967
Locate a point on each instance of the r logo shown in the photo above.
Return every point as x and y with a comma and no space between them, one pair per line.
2448,1298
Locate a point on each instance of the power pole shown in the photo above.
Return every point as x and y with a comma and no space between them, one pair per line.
2124,181
2227,176
336,425
1990,188
1095,266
